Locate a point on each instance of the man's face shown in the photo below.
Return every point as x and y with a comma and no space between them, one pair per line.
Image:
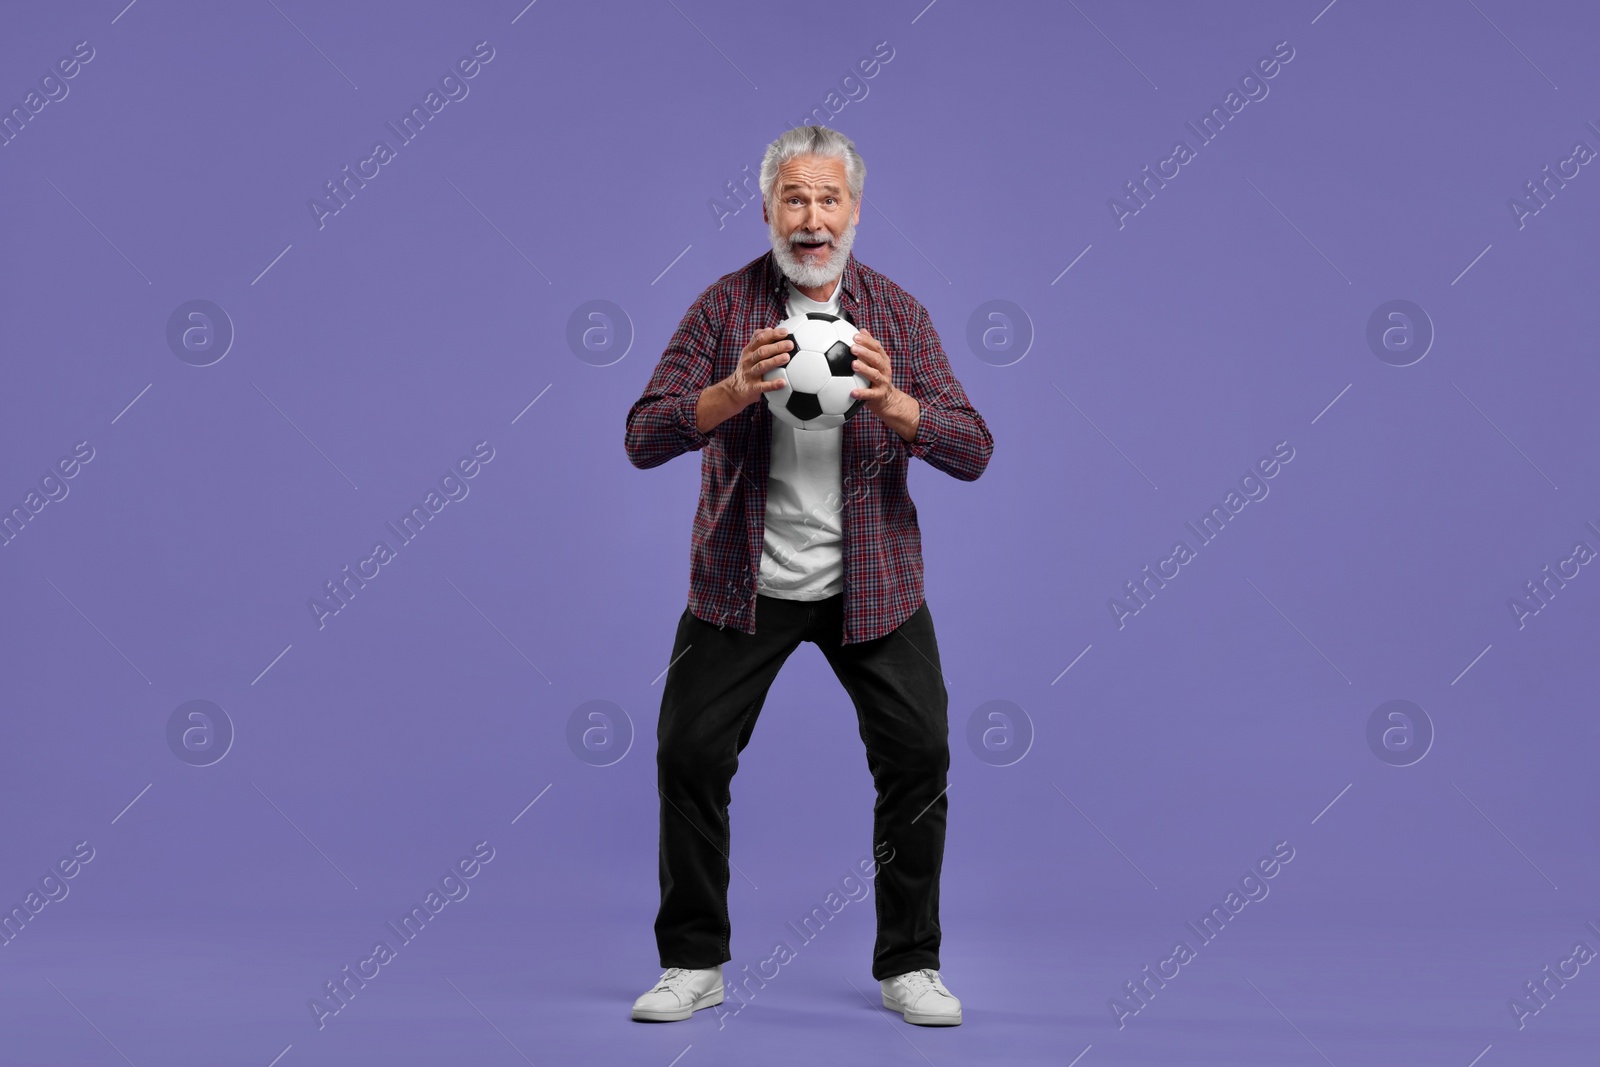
812,220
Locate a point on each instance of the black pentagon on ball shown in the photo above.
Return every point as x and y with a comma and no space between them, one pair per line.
839,358
804,406
823,315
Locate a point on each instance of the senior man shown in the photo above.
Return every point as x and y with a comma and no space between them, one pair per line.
804,535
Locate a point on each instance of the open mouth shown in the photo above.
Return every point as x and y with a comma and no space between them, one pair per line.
812,248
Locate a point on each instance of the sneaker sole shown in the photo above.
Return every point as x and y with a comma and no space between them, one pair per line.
706,1000
919,1019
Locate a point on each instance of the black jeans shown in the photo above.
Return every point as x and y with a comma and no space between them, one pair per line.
715,687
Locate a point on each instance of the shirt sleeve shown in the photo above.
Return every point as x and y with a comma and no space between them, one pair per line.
951,435
661,423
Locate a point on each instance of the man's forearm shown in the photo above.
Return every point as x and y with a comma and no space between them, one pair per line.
954,440
716,406
902,418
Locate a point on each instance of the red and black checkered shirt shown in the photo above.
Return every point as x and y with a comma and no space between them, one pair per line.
882,550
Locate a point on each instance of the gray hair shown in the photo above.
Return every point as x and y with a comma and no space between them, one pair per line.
812,141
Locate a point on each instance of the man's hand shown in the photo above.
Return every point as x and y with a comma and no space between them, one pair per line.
767,349
898,410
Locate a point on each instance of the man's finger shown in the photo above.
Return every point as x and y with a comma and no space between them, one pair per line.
764,360
770,346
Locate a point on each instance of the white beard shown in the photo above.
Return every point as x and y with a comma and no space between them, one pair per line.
806,275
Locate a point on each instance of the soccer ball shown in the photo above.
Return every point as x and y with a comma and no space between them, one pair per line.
818,372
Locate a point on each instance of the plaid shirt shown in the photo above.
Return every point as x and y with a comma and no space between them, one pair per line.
882,549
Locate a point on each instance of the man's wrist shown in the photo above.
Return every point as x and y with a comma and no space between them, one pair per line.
714,406
702,405
903,415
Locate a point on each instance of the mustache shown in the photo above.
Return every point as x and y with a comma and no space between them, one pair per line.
799,235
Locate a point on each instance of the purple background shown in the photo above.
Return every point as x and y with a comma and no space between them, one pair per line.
1229,314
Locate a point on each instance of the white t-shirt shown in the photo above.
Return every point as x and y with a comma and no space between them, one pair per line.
802,551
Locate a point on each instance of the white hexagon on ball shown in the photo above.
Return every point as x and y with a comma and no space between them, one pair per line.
813,335
807,371
835,394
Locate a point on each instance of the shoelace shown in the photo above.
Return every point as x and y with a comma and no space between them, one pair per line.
670,978
919,982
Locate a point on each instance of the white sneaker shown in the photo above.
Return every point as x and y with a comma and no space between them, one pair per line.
679,994
921,998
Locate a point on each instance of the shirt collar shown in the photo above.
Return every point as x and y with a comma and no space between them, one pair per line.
849,279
